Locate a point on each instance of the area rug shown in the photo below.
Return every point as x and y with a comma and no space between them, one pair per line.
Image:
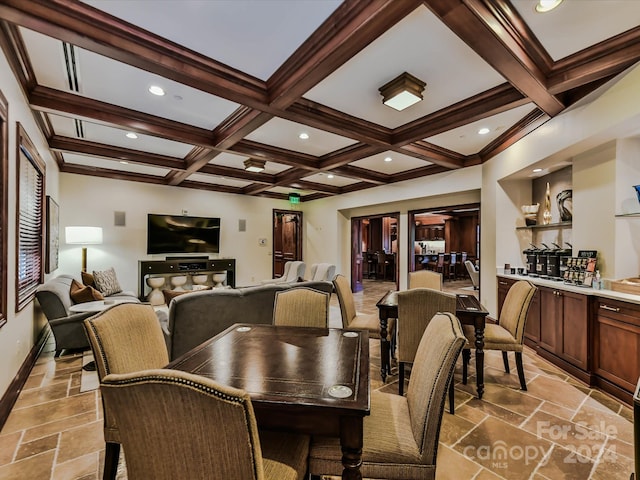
88,379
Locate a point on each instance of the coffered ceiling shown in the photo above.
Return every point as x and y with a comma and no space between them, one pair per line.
244,78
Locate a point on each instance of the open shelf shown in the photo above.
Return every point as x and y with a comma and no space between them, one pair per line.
548,225
627,215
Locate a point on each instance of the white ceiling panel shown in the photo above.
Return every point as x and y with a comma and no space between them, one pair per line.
237,161
254,36
96,162
399,163
466,139
217,180
336,181
96,132
47,58
120,84
284,134
420,45
577,24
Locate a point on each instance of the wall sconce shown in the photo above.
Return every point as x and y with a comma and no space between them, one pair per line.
83,236
253,165
402,92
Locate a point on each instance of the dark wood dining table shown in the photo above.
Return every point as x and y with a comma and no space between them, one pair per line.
469,311
305,380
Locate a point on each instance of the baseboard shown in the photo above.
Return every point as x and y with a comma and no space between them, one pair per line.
15,387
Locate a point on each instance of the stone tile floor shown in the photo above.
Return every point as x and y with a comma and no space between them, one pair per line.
558,429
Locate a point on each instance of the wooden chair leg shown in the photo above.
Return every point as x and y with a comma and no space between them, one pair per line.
505,360
523,383
452,407
111,458
401,378
466,356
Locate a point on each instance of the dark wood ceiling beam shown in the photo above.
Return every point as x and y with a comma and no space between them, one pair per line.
357,173
351,27
56,101
211,187
417,173
348,154
516,132
434,154
491,102
194,161
486,28
16,53
94,149
112,174
99,32
320,116
275,154
318,187
238,125
603,60
230,172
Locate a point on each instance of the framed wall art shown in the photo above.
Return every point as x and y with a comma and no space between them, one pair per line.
52,235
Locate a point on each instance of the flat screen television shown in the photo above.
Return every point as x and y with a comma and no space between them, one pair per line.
182,234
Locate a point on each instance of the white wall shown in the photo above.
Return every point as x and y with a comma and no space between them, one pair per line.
20,332
577,134
93,201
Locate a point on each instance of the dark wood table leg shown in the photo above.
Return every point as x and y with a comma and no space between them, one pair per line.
479,330
351,438
385,360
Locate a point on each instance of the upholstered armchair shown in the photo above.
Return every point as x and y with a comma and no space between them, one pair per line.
401,434
125,338
323,272
425,279
508,334
293,271
301,307
473,273
177,425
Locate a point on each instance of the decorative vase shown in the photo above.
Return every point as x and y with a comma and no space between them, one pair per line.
156,296
565,205
530,214
546,213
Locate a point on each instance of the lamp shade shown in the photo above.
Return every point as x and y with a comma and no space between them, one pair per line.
83,235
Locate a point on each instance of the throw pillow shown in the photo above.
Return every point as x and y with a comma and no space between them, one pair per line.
171,294
87,279
107,282
83,293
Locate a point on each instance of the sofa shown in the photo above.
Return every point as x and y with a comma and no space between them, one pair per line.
196,317
54,297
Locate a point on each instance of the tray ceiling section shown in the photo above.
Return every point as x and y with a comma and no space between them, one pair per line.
253,37
421,45
390,163
116,83
576,25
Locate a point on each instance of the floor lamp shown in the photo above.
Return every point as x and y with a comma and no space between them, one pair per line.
83,236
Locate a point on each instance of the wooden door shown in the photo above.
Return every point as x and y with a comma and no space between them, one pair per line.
356,254
287,239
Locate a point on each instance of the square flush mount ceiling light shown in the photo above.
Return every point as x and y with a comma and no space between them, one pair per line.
253,165
402,92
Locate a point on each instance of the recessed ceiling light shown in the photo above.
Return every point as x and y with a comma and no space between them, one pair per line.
330,175
303,136
156,90
131,135
544,6
388,159
537,170
483,131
